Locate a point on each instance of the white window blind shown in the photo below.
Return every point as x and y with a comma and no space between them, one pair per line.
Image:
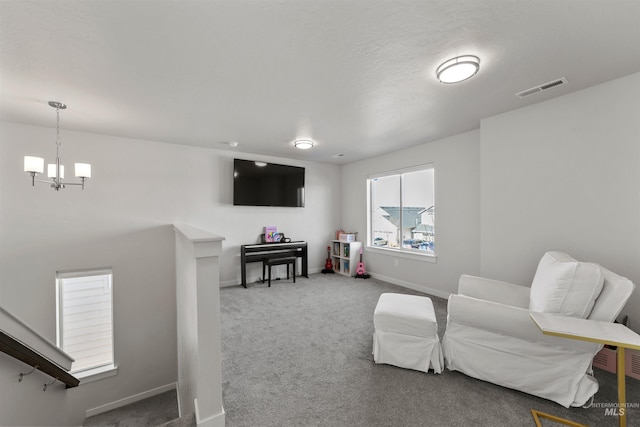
85,317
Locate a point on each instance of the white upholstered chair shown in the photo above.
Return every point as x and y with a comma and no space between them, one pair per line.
490,335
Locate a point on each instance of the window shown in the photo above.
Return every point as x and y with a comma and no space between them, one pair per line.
85,318
402,209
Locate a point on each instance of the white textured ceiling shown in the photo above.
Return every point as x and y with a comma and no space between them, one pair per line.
356,76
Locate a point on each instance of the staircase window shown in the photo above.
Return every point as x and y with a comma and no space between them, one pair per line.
85,318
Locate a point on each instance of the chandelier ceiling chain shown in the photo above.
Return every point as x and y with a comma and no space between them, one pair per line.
58,125
55,171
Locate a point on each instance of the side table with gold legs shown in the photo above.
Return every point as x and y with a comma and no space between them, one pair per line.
607,333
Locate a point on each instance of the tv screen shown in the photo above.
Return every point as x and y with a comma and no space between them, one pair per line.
267,184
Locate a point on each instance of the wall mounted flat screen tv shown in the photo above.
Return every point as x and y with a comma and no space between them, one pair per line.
267,184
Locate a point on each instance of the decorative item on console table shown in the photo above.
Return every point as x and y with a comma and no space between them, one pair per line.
269,233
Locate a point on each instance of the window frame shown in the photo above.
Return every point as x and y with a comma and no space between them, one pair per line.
409,253
98,371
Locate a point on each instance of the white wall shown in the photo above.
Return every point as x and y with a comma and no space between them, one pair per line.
564,175
457,218
558,175
123,220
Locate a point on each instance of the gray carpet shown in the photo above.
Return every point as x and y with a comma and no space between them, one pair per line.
300,355
152,411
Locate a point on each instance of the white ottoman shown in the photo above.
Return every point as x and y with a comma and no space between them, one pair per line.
406,333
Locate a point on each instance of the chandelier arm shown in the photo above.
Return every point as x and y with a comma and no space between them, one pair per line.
71,183
51,181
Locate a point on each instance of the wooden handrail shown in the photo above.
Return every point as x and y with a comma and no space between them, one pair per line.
18,350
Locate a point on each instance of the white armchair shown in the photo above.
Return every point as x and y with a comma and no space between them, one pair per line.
490,335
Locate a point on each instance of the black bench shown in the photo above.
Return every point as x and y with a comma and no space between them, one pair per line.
279,261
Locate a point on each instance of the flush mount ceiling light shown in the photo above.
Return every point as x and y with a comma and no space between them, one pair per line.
35,165
458,69
303,144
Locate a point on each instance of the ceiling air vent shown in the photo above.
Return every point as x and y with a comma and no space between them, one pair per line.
543,87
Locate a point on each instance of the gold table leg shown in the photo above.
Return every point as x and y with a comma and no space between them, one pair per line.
622,394
538,414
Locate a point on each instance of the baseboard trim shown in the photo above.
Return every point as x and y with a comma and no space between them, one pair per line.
180,414
216,420
413,286
228,283
128,400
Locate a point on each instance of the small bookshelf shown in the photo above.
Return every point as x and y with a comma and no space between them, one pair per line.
345,256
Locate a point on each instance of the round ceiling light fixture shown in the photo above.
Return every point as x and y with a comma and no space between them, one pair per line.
303,144
458,69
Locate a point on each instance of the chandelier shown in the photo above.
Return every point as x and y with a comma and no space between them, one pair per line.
35,165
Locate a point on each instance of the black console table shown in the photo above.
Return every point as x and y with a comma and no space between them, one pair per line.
260,252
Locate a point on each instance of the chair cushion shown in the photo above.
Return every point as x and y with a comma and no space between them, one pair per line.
280,261
565,286
615,294
405,314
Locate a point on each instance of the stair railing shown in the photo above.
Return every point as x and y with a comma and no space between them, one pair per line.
20,351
